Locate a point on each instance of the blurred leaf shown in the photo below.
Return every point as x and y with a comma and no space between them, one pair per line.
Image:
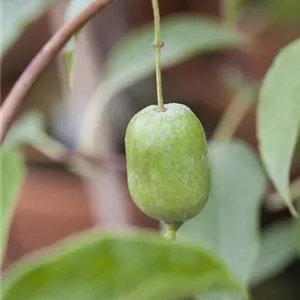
73,9
283,10
228,225
121,266
231,9
274,202
236,81
30,130
297,235
276,253
17,15
27,130
12,172
279,118
184,36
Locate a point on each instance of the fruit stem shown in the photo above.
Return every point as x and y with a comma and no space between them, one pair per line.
170,231
158,44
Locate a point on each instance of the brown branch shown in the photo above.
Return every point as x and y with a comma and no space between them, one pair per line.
41,61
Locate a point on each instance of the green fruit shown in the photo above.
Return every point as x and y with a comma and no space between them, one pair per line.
168,170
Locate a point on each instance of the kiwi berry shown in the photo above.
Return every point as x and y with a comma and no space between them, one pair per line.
168,170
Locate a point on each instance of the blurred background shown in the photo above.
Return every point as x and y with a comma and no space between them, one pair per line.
54,201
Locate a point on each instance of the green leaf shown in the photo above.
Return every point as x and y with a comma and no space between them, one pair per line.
17,15
282,10
184,36
120,266
27,130
12,172
276,253
228,225
297,235
231,10
73,9
279,118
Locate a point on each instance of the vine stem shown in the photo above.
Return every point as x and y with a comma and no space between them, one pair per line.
56,151
158,44
17,94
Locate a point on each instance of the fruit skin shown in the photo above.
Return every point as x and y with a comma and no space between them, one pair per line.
168,170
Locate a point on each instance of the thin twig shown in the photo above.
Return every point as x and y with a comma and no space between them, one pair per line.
68,156
233,116
58,152
41,61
